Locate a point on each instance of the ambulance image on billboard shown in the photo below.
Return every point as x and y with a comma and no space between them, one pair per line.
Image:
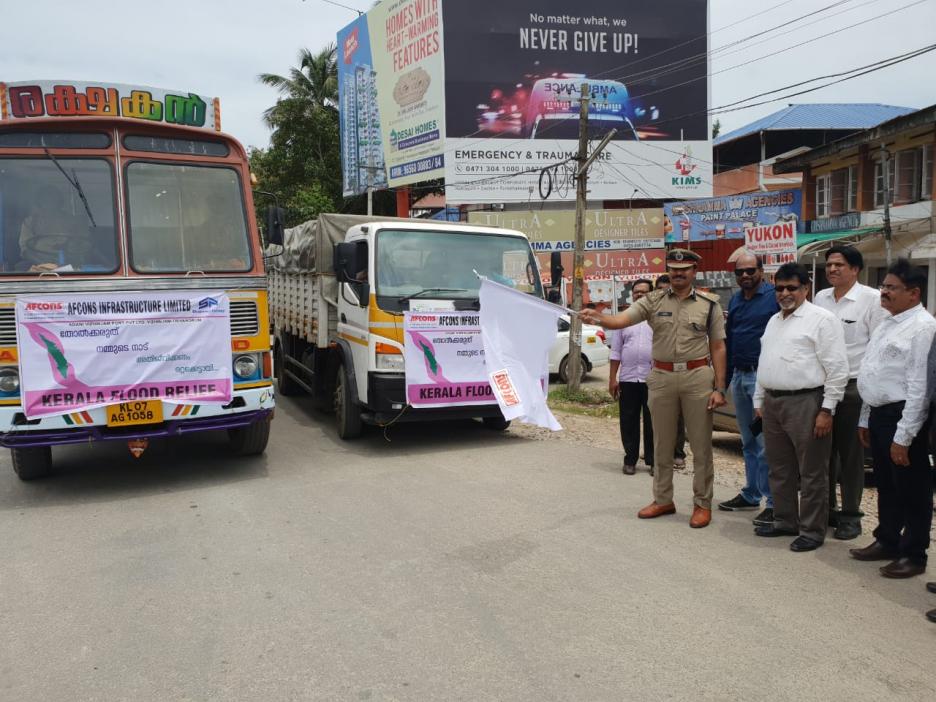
554,104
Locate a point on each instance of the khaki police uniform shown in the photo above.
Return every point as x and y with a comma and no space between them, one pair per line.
681,333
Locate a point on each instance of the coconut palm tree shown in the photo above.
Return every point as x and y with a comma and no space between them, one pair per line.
312,84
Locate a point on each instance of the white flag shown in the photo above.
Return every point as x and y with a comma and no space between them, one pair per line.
518,331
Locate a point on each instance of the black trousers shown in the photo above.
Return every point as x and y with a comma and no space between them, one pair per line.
632,400
905,493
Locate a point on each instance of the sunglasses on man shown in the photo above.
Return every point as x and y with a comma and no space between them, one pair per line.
787,288
744,271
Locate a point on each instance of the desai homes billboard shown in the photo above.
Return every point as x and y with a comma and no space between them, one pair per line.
487,94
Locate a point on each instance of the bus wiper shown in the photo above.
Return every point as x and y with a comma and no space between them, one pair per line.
73,181
431,290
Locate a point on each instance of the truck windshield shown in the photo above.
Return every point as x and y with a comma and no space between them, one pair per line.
186,218
408,262
46,225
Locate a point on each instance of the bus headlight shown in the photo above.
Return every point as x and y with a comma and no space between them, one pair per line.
245,366
9,380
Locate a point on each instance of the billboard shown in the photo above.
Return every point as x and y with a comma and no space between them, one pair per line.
605,230
362,157
624,265
392,74
730,216
513,77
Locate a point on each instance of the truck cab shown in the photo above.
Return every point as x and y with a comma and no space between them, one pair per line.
383,268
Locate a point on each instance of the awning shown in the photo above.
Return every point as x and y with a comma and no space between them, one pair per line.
804,239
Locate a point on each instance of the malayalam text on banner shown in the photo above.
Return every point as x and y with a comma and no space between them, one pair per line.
444,358
81,352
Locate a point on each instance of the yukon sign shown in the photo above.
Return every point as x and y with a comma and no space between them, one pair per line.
774,243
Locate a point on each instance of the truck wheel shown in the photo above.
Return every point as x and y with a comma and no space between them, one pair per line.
32,463
250,440
495,423
564,369
347,414
284,384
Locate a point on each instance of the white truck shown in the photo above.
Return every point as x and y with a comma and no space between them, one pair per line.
338,290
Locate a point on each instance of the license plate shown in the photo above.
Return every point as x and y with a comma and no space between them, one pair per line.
128,413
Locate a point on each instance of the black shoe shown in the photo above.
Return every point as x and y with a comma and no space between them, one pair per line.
629,469
931,587
931,615
903,568
771,530
846,531
737,503
804,543
875,552
765,518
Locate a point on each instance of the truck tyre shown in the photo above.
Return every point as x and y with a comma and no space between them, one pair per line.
495,423
33,462
284,384
347,414
250,440
564,369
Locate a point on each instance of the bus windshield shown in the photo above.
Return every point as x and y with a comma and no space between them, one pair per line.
57,216
409,262
186,218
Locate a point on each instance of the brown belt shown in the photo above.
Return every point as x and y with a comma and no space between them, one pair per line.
688,365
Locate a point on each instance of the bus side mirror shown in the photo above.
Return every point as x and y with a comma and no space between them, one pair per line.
274,224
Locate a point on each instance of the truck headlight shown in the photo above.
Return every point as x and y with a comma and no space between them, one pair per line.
9,380
390,361
245,366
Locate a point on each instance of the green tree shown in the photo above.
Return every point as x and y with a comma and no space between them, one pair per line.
302,165
716,127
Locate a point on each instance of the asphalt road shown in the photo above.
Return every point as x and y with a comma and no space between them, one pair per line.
449,563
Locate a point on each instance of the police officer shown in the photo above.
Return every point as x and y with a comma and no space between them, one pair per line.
688,375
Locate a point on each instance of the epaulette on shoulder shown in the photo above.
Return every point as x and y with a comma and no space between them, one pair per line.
711,297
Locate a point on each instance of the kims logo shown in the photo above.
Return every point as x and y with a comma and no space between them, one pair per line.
207,303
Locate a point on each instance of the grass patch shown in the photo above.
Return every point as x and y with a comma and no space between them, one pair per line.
587,401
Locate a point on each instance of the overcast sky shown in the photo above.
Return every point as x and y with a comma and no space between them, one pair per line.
217,48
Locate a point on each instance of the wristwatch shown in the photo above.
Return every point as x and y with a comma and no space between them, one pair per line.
723,391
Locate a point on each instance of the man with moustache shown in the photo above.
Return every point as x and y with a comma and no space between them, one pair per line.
679,453
802,371
858,308
688,375
748,313
894,424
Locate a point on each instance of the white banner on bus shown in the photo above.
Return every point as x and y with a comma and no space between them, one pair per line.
81,351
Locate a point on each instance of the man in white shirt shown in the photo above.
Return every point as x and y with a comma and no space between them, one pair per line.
801,376
894,424
858,308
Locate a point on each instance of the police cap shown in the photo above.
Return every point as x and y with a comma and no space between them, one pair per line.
682,258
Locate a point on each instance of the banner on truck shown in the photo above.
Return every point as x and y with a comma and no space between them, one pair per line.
728,217
395,51
93,350
605,230
444,359
19,101
513,77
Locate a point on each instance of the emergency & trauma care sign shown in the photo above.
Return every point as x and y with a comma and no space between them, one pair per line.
444,358
80,352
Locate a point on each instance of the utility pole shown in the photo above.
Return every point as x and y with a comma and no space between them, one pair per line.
887,196
578,261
